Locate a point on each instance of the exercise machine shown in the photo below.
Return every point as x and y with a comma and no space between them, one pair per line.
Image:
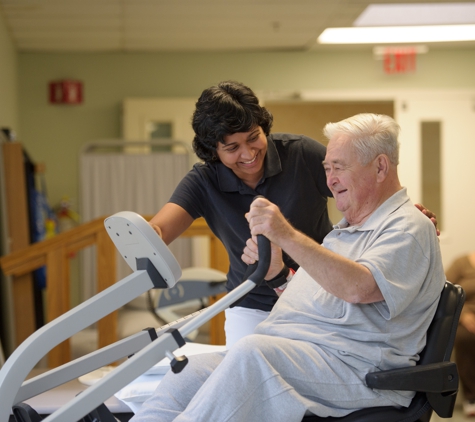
154,267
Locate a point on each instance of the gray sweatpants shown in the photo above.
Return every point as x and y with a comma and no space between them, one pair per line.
262,378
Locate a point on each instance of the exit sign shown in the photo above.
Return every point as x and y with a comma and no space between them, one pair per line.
398,60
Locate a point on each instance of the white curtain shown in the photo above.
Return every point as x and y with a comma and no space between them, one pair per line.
143,183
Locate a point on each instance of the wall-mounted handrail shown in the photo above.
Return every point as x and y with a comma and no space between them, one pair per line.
55,253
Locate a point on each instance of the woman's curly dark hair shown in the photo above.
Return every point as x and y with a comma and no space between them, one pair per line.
227,108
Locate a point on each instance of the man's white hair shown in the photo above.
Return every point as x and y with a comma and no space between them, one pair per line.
371,134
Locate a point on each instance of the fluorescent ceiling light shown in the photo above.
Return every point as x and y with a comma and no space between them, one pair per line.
397,34
417,14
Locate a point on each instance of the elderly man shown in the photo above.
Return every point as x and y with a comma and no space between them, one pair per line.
360,302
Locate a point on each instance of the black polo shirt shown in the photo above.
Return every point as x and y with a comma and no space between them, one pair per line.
294,179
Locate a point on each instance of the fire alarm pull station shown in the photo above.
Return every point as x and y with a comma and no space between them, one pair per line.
66,91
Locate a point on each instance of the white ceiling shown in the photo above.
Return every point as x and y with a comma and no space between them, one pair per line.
176,25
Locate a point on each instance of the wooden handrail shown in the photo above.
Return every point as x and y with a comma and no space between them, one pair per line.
34,256
54,253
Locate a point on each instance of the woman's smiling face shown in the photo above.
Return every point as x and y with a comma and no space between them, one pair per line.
244,154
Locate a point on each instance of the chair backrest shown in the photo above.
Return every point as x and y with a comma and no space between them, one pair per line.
441,333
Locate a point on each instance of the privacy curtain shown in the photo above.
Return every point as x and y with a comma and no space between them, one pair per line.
119,181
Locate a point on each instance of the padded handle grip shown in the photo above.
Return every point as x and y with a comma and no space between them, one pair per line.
264,249
263,246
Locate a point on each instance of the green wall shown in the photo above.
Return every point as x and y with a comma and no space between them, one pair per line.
8,80
55,134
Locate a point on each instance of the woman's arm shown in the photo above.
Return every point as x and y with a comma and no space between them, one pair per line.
170,222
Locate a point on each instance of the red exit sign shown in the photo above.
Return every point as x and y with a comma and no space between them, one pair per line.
399,59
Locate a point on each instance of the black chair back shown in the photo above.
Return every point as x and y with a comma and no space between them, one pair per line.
442,330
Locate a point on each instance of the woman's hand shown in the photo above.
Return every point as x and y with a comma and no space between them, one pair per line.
429,214
250,255
156,228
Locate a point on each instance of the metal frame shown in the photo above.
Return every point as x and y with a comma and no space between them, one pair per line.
160,270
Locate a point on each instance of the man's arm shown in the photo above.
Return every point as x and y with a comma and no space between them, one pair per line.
339,276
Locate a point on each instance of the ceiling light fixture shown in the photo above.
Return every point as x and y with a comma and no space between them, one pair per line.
403,14
397,34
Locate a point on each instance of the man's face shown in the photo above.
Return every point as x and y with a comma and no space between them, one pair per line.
350,182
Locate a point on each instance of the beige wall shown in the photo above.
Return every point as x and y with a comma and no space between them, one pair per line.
8,80
55,134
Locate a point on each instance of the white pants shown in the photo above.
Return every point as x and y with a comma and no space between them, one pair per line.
241,322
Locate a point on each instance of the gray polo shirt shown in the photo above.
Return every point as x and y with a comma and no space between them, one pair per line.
399,245
293,179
